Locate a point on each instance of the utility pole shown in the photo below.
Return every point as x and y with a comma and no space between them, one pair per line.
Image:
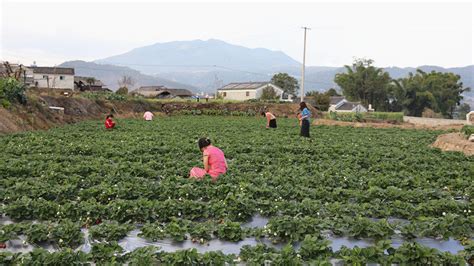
304,60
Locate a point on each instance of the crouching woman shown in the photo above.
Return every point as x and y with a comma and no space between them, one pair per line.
213,159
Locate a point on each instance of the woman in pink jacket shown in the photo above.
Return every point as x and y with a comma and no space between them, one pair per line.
213,159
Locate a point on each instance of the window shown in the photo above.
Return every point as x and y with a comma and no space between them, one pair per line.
61,77
45,76
224,94
247,93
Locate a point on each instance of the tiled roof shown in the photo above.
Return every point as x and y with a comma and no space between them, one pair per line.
347,106
151,88
97,82
53,70
179,92
336,99
154,91
244,85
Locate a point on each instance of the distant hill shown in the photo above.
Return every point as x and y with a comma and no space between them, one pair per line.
199,55
110,74
210,64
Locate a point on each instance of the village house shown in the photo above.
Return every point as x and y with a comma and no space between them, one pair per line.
53,77
161,92
340,104
88,84
242,91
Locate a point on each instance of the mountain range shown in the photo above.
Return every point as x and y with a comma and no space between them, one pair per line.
207,65
110,75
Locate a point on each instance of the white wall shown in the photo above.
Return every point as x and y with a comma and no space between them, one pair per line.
241,95
55,81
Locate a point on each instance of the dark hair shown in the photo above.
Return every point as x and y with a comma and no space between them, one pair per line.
303,106
204,142
262,113
109,116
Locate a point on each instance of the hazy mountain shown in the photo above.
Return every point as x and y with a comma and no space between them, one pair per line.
110,74
198,56
210,64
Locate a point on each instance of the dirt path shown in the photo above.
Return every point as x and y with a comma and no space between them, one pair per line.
387,125
454,142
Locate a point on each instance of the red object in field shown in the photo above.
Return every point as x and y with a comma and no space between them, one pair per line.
98,221
109,123
3,245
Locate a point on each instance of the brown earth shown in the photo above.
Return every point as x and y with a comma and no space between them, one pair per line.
454,142
37,114
328,122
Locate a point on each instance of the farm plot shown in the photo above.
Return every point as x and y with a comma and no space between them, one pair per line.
79,193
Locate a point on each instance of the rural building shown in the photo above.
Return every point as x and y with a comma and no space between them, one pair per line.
89,84
161,92
53,77
340,104
250,90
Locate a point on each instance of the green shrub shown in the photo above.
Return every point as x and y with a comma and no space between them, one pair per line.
11,91
467,130
122,91
103,96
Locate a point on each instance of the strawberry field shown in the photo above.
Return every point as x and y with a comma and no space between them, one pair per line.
81,194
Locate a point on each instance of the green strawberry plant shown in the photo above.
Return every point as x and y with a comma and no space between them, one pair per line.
152,231
109,231
106,253
38,233
231,231
67,234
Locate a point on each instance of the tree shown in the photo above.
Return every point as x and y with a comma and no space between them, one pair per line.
268,93
332,92
286,82
126,81
319,100
463,110
440,92
365,83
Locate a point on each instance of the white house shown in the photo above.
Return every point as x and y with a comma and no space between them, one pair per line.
242,91
53,77
340,104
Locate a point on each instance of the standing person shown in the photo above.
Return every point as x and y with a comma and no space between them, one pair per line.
304,118
148,116
109,123
271,119
213,159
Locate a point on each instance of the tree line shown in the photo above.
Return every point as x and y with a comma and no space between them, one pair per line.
419,92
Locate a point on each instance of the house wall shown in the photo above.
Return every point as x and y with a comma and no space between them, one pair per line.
55,81
241,95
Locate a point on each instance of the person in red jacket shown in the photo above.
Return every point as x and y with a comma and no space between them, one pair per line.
109,123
